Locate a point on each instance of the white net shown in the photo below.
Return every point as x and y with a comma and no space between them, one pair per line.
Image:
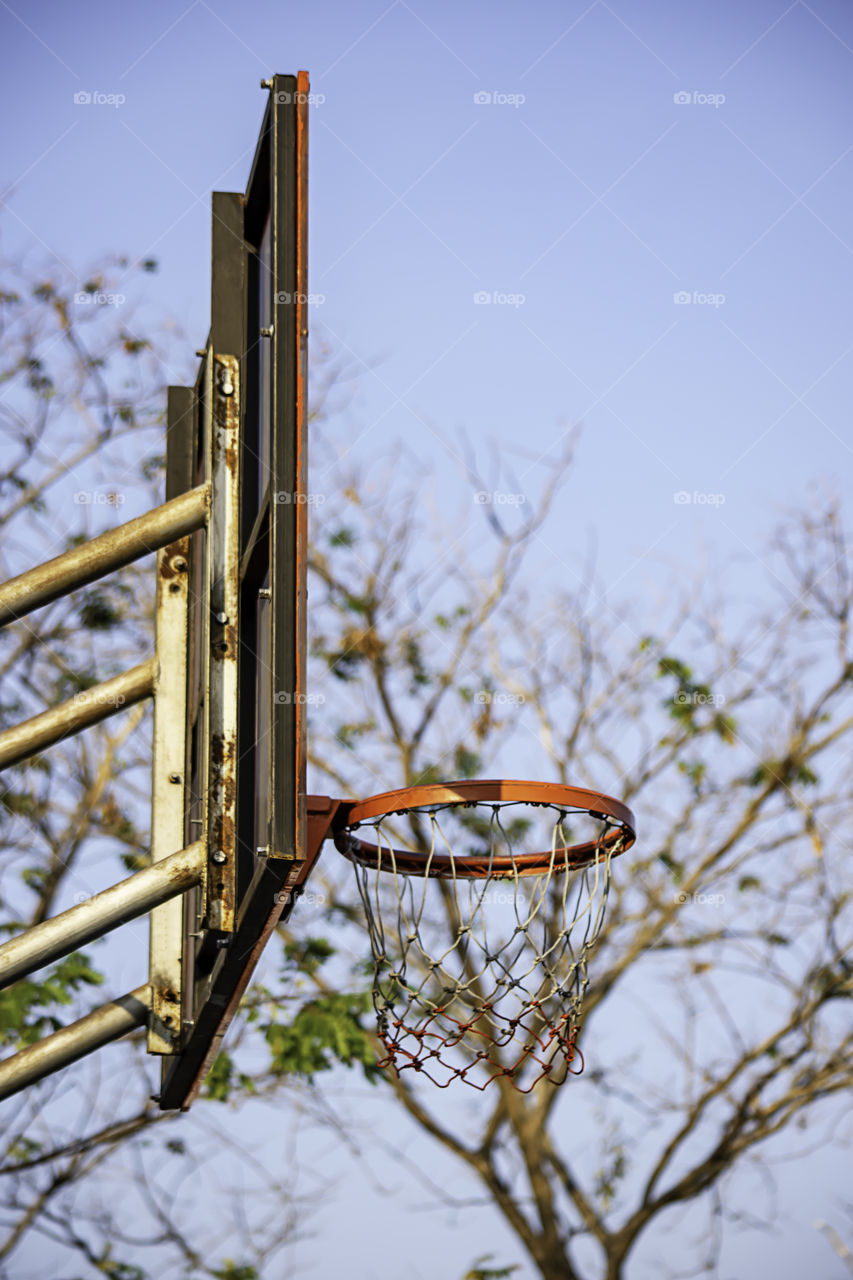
482,974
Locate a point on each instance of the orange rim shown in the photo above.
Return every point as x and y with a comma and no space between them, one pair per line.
619,834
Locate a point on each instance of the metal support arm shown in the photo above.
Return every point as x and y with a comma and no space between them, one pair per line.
105,911
111,550
88,708
107,1023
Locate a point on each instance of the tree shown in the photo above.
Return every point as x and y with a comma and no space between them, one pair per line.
717,1013
736,902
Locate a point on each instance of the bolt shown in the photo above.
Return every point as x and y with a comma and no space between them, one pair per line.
226,386
266,333
179,564
263,851
266,84
218,856
175,777
222,943
221,617
201,352
264,593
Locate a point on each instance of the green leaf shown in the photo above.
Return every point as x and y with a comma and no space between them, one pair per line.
308,954
98,613
724,727
26,1007
325,1031
466,763
674,667
672,865
217,1084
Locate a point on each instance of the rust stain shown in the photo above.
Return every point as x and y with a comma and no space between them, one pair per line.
175,562
301,354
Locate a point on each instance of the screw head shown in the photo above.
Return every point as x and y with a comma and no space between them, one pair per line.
175,777
218,856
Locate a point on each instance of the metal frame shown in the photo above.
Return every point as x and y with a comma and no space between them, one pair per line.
168,776
178,868
259,832
228,847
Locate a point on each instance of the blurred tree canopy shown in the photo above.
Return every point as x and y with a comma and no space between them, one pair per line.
718,1013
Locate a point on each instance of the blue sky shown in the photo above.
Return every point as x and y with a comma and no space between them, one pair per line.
583,187
655,199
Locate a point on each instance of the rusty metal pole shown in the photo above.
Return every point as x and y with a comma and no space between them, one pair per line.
101,913
87,708
105,1024
168,792
111,550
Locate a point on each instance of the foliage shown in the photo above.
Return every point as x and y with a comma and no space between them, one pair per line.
733,909
26,1007
325,1031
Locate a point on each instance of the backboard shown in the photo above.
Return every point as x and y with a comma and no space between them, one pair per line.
243,427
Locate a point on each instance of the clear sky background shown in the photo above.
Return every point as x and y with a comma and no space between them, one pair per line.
628,155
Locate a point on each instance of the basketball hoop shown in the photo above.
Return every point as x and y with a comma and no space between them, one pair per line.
476,974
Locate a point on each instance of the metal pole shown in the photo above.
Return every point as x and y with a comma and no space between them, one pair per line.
105,911
168,793
87,708
111,550
107,1023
